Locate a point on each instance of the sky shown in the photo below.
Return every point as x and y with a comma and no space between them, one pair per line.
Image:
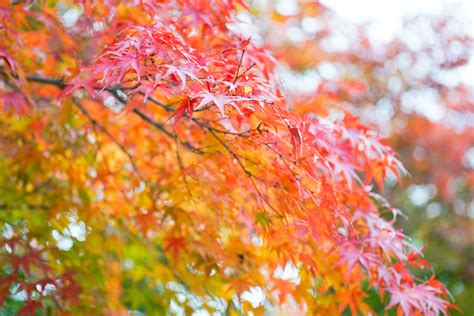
387,15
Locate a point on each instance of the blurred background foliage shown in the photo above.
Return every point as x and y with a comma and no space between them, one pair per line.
413,89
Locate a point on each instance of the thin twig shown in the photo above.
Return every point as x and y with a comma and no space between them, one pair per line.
248,173
195,120
102,128
181,168
246,70
238,67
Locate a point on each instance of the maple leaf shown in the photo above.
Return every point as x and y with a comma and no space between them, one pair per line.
69,288
351,298
285,288
414,258
310,263
186,107
423,297
30,307
351,255
182,72
296,139
198,14
175,245
14,100
220,101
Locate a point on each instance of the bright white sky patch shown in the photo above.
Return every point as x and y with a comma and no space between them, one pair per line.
387,16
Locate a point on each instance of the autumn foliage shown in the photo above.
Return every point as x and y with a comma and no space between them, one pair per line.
150,162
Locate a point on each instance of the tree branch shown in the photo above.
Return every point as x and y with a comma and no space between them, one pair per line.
115,91
238,67
161,128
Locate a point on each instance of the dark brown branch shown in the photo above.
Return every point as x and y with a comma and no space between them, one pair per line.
30,206
149,120
61,84
161,128
115,91
55,82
